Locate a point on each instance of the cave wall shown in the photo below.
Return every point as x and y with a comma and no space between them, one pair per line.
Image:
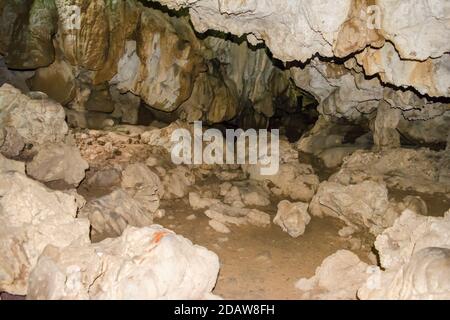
356,55
123,55
374,62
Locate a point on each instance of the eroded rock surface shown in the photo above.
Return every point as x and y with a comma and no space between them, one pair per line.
31,217
110,215
36,120
338,277
58,161
363,205
146,263
414,255
292,217
416,169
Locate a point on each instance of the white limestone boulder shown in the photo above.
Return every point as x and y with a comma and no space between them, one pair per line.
292,217
338,277
146,263
36,120
31,217
360,206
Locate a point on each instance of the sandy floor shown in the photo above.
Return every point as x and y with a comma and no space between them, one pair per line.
259,263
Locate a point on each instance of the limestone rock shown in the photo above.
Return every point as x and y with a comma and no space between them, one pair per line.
11,142
105,178
146,263
197,202
91,120
409,234
254,196
26,39
212,99
57,81
143,185
322,136
341,92
227,215
292,217
326,140
224,218
258,218
219,226
177,181
36,120
425,277
58,162
79,199
31,217
263,21
160,66
162,137
414,255
400,168
338,277
294,180
244,193
110,215
233,197
425,76
334,157
339,30
363,205
7,165
100,99
126,106
16,78
385,127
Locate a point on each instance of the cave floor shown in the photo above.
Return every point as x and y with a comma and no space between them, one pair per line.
259,263
256,263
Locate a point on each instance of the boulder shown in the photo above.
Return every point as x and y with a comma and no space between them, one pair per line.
292,217
7,165
414,260
337,278
37,120
58,161
426,276
146,263
143,185
176,182
219,226
11,142
227,215
363,205
197,202
110,215
410,233
400,168
31,217
294,180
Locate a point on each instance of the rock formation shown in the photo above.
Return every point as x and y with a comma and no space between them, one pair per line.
33,217
146,263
